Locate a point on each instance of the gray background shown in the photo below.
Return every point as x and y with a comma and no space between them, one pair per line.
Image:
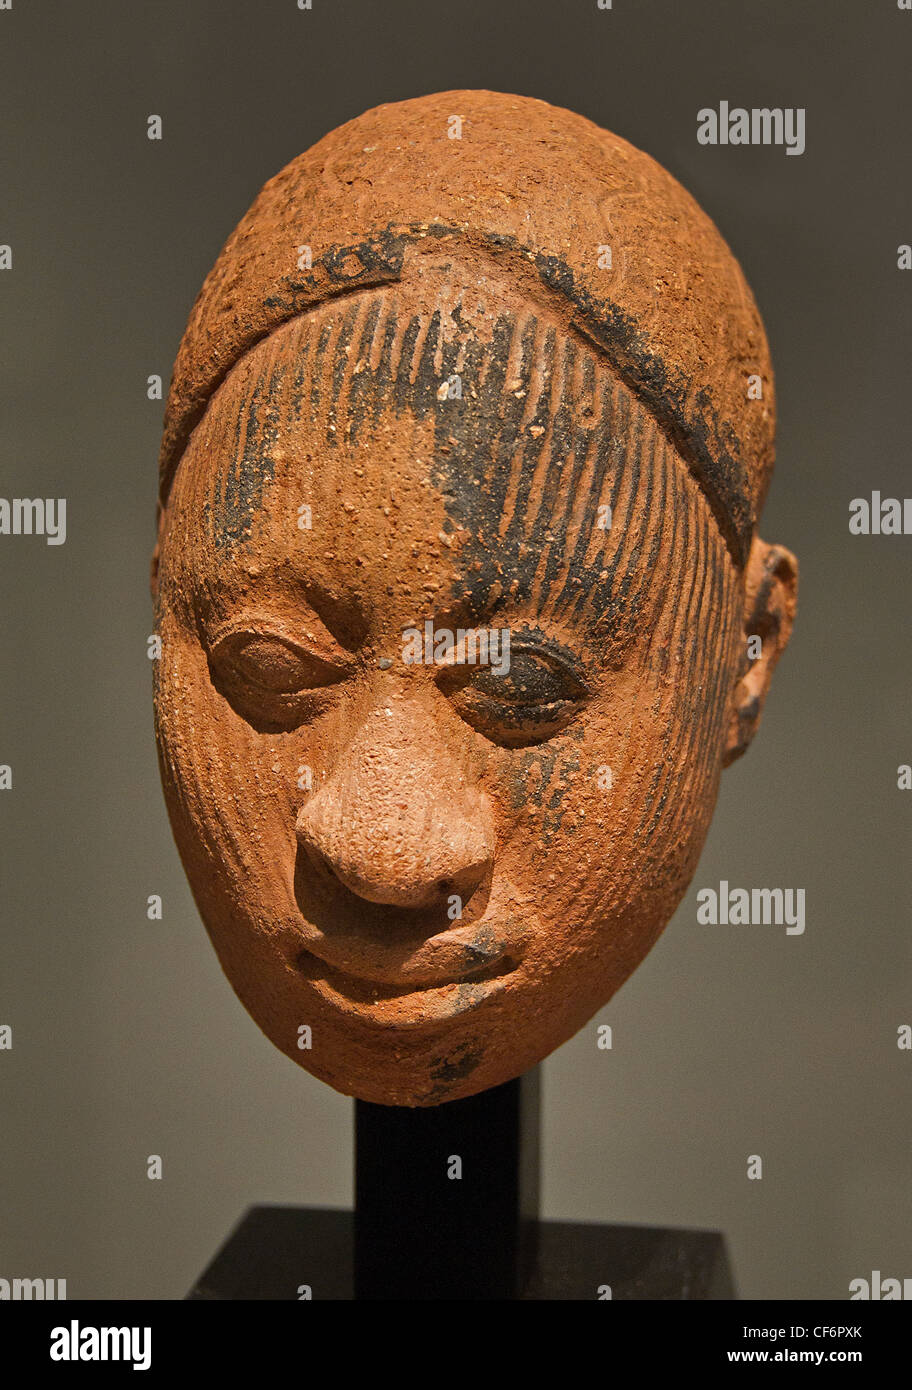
727,1041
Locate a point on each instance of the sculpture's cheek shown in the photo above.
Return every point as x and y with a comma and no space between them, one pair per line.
230,791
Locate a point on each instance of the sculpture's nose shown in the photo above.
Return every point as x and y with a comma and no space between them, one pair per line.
395,822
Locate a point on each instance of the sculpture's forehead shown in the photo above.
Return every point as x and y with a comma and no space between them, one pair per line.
449,443
277,486
501,399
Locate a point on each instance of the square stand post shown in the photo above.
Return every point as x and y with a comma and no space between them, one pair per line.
446,1198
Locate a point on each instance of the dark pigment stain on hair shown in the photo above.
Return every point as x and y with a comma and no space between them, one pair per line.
229,514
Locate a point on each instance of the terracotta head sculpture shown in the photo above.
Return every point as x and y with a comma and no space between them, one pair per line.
466,442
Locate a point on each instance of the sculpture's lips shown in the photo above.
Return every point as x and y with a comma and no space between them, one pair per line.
397,954
366,990
387,971
408,1006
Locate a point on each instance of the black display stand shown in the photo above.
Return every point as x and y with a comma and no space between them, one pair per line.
446,1199
446,1207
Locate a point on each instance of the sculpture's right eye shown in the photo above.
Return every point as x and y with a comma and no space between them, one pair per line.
269,680
274,664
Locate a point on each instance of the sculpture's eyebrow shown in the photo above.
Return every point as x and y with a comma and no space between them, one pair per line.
503,611
274,590
343,615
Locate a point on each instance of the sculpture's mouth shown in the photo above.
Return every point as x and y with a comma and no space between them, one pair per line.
362,989
410,1002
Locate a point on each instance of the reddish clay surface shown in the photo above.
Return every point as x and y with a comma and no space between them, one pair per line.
432,870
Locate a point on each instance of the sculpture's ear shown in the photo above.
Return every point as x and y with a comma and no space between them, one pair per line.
770,596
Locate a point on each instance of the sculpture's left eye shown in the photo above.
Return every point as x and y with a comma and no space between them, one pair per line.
526,700
269,680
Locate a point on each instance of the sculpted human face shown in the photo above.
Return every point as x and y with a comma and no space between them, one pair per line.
421,876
